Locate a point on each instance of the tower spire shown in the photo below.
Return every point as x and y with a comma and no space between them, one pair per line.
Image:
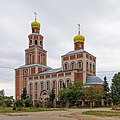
78,29
35,15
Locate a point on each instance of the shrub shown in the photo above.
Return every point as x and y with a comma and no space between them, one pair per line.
50,104
19,103
28,102
8,102
37,105
14,107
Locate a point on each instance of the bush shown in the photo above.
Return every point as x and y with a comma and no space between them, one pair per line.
14,107
19,103
37,105
8,102
50,104
28,102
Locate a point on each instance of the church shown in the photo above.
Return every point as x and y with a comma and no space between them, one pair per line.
39,79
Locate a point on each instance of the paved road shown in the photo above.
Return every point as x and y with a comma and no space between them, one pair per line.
71,114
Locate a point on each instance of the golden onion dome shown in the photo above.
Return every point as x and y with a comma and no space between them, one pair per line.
35,24
79,38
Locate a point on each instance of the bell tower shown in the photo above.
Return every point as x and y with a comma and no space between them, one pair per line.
35,54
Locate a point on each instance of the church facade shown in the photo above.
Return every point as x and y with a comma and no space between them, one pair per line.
39,79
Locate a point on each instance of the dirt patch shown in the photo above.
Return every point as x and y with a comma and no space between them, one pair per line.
15,114
70,114
80,116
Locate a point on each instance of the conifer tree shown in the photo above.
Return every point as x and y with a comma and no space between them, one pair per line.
106,89
115,89
52,95
24,95
51,101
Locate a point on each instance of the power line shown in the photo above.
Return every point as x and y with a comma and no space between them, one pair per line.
108,71
104,71
6,67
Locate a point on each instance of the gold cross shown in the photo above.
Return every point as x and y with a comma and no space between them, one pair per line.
35,15
78,29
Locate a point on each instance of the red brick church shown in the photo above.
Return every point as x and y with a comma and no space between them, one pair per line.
39,79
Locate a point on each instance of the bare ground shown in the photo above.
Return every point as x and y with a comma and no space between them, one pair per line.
70,114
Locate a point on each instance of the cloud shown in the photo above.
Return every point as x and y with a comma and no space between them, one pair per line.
8,88
99,24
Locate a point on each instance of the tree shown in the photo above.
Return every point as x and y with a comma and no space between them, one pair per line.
51,99
24,95
106,90
93,94
106,87
19,103
115,89
71,94
28,102
52,96
8,100
2,93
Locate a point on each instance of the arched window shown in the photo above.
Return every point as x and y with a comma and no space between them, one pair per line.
42,86
41,57
41,43
90,67
87,64
36,86
72,66
79,64
36,96
66,66
54,85
35,42
30,58
48,85
30,86
30,42
25,82
61,84
30,96
93,68
67,83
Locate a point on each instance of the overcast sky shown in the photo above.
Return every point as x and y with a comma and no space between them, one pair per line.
100,24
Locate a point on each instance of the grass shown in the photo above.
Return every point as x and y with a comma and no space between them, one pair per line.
102,113
6,109
32,109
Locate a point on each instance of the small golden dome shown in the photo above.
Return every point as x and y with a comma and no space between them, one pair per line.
35,24
79,38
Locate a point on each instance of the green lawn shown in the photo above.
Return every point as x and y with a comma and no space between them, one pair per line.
6,109
102,113
10,109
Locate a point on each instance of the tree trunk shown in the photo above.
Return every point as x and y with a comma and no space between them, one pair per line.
67,104
102,102
83,103
91,106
